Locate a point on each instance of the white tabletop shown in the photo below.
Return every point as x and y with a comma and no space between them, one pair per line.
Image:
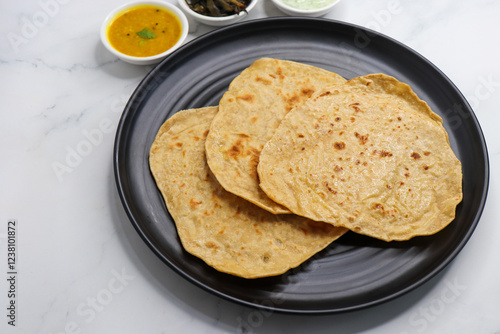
80,265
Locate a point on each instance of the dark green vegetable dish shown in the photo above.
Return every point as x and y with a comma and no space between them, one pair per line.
218,8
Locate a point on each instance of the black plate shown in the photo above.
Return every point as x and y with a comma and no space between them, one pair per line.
355,271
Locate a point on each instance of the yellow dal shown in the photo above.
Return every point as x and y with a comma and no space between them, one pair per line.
122,32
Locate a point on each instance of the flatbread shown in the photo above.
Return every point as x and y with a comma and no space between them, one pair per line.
368,155
249,113
227,232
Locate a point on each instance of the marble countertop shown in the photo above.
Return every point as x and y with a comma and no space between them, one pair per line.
80,265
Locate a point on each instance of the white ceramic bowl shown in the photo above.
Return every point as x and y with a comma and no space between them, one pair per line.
151,59
304,12
216,21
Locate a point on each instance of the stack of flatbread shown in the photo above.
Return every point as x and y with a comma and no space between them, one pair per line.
295,156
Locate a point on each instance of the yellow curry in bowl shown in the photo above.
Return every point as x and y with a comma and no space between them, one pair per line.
144,30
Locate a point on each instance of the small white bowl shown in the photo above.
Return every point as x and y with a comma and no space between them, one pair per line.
304,12
216,21
151,59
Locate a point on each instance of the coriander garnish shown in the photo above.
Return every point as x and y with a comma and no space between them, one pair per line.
146,33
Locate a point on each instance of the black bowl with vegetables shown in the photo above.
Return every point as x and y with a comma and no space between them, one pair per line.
217,12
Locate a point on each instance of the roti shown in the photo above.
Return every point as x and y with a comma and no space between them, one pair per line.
249,113
229,233
368,155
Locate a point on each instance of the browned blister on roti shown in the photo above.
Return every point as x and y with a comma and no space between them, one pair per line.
249,113
227,232
368,155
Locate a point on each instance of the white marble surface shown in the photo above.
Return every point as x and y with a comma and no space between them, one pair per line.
82,268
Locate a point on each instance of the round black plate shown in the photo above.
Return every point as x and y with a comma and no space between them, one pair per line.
355,271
